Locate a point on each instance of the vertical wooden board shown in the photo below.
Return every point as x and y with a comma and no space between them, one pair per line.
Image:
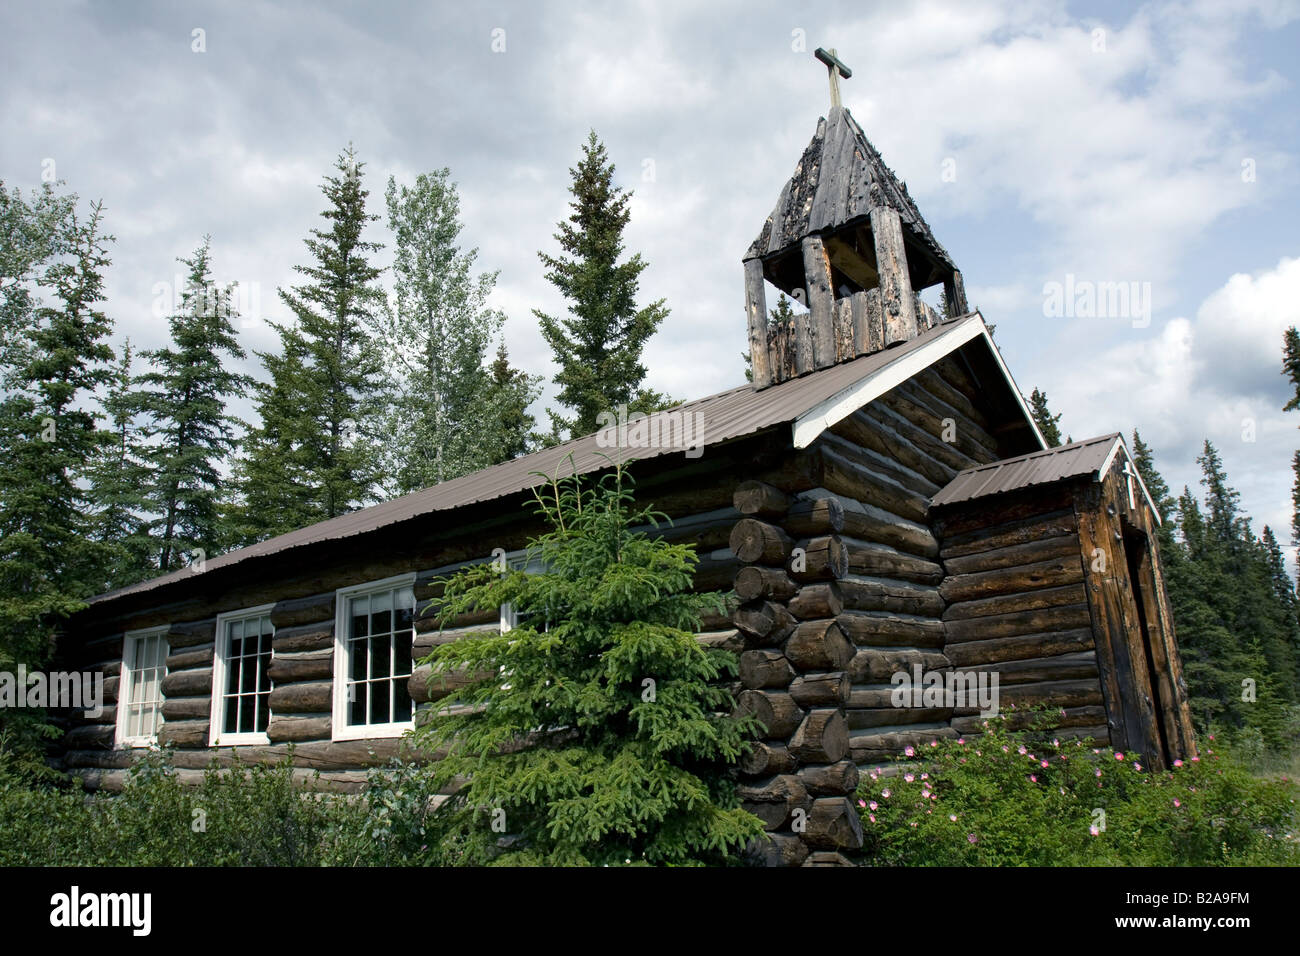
843,330
954,290
756,316
875,321
897,304
1092,538
821,302
858,316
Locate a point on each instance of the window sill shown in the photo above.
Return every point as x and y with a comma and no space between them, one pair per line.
373,731
240,740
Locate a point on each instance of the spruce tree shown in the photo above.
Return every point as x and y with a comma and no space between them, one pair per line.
511,427
314,453
185,396
1043,417
47,442
1291,369
598,345
599,729
436,337
120,478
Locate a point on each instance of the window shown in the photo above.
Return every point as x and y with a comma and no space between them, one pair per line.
139,702
241,687
519,561
373,633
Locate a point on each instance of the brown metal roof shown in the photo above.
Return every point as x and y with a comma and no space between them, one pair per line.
840,177
727,415
1038,468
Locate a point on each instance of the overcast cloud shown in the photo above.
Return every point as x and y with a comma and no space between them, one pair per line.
1153,145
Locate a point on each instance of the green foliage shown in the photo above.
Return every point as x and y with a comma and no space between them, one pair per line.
1044,419
185,394
1008,799
598,346
448,415
246,816
597,732
1291,369
313,456
780,314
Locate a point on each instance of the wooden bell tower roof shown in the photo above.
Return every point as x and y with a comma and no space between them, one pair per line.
839,180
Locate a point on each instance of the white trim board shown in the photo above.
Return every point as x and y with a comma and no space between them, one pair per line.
220,665
1110,460
809,426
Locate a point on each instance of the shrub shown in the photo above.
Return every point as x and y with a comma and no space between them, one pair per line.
1003,798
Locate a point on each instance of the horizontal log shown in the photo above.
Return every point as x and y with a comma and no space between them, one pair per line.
426,620
775,710
186,708
878,436
825,689
959,522
289,670
833,823
287,728
303,610
728,640
764,759
758,499
192,683
1038,620
878,666
936,385
864,593
188,734
778,850
819,646
90,737
757,542
765,668
1088,716
871,559
1082,664
717,570
890,628
199,657
774,800
885,466
864,718
1014,555
308,637
869,746
765,622
815,601
1019,648
830,780
852,478
425,642
885,417
1062,693
814,514
754,582
191,634
1007,603
819,559
316,697
869,523
986,538
1029,577
822,737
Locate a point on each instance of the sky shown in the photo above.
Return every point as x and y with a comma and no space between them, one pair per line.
1053,147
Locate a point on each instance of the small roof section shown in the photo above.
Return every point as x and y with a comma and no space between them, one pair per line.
725,416
1089,458
840,178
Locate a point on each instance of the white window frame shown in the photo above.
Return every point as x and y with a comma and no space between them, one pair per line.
517,561
340,728
220,665
124,686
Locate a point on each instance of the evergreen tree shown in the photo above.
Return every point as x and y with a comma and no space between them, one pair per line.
185,396
1291,368
598,346
1166,507
119,481
511,432
1043,417
609,738
47,441
436,338
314,454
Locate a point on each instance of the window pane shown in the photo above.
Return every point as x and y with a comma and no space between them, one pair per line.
263,712
360,616
402,653
380,651
357,658
357,705
402,702
381,613
379,703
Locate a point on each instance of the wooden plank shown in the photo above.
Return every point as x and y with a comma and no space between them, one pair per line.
821,303
1014,580
756,319
995,536
1031,621
896,300
1007,603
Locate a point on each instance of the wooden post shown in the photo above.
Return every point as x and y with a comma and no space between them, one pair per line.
821,306
954,290
896,300
861,333
756,315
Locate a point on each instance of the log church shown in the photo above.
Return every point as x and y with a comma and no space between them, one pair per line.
878,500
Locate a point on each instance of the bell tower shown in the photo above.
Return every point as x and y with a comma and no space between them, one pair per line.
847,241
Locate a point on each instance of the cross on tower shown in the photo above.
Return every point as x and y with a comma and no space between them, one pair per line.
1129,475
836,69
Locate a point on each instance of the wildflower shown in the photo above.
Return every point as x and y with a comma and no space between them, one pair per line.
925,776
1005,748
1056,742
1044,764
1196,760
1033,779
1094,830
1177,802
1178,763
1137,766
934,743
871,817
1118,755
863,803
908,777
1099,771
873,805
972,838
952,817
961,741
910,752
885,793
925,794
1022,751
